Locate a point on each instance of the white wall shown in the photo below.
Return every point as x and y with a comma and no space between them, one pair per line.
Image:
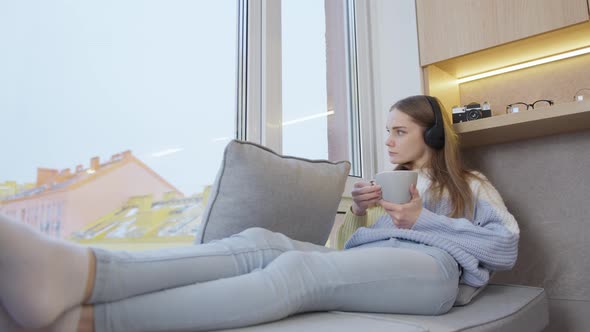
395,63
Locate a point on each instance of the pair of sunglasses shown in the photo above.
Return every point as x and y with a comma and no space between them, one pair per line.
515,107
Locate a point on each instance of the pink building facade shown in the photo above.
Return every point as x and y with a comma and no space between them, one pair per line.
64,202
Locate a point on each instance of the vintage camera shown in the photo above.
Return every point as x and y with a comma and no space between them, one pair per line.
471,111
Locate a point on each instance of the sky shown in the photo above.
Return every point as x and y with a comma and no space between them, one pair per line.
80,79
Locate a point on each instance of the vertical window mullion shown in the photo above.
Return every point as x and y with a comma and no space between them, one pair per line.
252,90
363,145
271,71
242,71
354,123
367,157
259,106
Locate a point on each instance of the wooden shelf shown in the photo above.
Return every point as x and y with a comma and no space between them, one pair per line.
440,78
557,119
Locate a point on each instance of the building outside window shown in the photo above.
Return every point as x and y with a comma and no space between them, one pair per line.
115,107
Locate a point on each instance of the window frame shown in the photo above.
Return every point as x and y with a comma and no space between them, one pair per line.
259,111
387,50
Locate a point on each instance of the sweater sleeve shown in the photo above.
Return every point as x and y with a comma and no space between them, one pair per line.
352,222
492,236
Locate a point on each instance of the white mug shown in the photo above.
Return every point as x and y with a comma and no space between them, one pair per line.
395,185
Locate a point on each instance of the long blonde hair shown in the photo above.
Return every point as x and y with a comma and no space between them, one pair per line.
445,168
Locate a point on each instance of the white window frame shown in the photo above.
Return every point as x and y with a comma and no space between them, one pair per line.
379,65
260,106
260,103
366,107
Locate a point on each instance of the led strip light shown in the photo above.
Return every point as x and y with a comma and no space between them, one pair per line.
525,65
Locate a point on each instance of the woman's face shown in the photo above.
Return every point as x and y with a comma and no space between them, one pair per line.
405,143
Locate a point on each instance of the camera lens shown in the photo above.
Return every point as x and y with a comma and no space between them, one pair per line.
473,114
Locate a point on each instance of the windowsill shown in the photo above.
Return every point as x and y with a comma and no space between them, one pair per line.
345,203
557,119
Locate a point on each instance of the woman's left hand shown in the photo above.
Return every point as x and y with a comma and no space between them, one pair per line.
404,215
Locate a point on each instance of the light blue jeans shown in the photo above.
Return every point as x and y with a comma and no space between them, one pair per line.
259,276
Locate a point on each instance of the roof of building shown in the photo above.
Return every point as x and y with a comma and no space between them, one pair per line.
140,219
64,180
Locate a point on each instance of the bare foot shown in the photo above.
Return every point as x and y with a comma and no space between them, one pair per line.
77,319
40,277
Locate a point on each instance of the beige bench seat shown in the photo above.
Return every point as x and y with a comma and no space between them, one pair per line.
506,308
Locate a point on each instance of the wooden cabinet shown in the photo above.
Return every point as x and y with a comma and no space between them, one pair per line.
450,28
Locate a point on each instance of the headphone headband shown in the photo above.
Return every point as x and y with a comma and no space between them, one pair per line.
435,135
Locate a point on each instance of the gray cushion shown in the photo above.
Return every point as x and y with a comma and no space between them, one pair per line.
506,308
333,321
497,308
466,293
256,187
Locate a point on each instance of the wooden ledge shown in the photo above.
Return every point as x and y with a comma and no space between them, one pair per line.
557,119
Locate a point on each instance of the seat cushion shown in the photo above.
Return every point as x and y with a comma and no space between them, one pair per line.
256,187
507,308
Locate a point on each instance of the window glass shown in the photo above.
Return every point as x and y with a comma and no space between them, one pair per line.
305,109
115,115
317,89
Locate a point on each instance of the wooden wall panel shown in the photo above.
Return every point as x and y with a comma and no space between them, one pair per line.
451,28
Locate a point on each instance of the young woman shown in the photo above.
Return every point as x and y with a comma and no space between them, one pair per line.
410,259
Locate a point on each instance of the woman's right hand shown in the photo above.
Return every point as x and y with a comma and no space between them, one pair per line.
364,195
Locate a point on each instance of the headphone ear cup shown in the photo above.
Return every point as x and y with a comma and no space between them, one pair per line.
428,137
434,138
435,135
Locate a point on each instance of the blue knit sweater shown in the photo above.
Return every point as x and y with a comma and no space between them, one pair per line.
488,241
